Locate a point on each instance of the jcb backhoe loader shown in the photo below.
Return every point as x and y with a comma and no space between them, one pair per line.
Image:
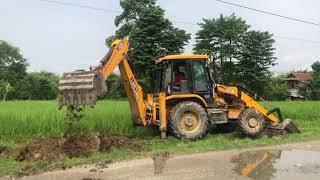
185,100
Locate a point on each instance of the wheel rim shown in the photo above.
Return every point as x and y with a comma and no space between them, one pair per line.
189,122
253,122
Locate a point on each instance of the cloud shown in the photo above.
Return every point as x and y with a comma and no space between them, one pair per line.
293,61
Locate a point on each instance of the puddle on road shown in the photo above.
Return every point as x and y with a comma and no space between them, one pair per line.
159,161
278,164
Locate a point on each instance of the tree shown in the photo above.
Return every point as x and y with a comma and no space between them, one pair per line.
39,86
222,39
312,90
151,36
237,55
5,88
132,11
12,66
256,58
126,21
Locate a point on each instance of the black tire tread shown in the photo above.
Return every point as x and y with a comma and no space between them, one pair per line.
247,113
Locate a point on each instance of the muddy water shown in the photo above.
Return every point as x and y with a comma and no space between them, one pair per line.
278,164
159,162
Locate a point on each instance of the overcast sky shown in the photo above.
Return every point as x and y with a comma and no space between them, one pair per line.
61,38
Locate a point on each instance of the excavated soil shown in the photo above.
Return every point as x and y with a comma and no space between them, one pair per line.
83,145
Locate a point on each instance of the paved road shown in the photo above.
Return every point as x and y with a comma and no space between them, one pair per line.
292,161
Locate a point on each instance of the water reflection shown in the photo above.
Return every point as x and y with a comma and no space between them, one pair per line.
278,164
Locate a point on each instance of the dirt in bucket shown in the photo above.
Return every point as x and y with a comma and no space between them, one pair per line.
108,141
82,145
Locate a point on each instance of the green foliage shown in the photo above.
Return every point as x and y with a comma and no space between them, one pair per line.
16,83
132,11
312,90
316,67
38,86
237,55
12,67
5,88
150,34
222,39
256,57
115,87
276,90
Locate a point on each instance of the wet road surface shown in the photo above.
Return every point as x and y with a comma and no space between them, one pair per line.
292,161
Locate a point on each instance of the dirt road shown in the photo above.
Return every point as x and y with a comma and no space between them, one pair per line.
292,161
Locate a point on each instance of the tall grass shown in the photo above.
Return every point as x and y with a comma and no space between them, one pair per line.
306,114
22,120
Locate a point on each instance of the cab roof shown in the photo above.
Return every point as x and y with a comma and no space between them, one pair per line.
182,57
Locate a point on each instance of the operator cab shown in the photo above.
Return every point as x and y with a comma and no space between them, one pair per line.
184,74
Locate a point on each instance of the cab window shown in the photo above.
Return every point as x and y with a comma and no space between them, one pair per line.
166,77
200,76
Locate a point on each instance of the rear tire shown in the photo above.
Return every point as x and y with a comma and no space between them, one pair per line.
251,122
188,120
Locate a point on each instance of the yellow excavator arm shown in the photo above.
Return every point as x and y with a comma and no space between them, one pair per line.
84,87
117,52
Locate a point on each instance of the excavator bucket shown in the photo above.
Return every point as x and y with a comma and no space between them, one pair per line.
282,127
81,88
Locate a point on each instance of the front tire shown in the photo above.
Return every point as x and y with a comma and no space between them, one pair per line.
251,122
188,120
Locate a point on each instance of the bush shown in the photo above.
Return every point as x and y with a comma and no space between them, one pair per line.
276,90
115,87
38,86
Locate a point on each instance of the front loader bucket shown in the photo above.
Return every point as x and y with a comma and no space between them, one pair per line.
81,88
282,129
290,126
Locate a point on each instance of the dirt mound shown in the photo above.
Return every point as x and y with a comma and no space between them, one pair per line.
41,149
119,142
81,145
86,144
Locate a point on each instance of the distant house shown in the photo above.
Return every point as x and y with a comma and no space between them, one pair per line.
294,81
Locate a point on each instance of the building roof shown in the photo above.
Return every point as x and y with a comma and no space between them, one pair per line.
182,56
299,76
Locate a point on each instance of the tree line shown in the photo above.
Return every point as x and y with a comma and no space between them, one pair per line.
238,55
17,83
